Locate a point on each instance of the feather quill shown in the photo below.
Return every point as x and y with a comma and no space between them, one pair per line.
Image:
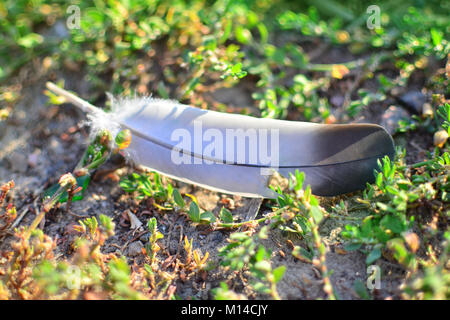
336,159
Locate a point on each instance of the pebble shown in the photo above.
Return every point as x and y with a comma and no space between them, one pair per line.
391,117
337,100
19,162
440,138
427,110
414,101
217,236
61,30
145,237
135,248
58,30
33,158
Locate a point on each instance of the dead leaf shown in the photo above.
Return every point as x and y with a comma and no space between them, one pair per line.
413,241
135,222
338,71
340,250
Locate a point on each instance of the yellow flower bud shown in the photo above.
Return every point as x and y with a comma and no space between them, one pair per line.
123,139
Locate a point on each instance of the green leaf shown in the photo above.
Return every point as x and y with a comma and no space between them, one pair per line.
152,224
317,214
352,246
106,222
191,86
261,253
226,31
299,179
391,190
264,232
30,40
392,223
263,33
237,71
278,273
82,181
194,212
178,198
302,253
361,290
379,180
374,255
159,235
239,236
243,35
208,217
127,185
225,215
236,68
263,265
436,36
314,202
261,287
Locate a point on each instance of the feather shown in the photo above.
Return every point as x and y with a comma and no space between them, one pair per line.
237,154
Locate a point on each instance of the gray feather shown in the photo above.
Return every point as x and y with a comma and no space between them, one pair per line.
336,159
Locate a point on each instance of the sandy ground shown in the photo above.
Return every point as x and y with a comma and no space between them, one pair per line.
40,142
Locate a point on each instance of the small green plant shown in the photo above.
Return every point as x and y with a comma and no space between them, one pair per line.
243,250
389,226
100,275
9,214
434,282
224,293
200,217
169,198
303,216
147,185
152,248
199,261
